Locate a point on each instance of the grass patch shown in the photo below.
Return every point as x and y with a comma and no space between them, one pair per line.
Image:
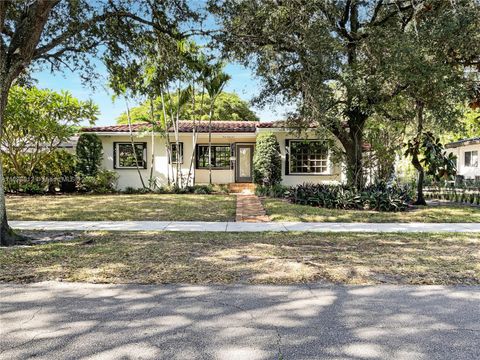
280,210
273,258
166,207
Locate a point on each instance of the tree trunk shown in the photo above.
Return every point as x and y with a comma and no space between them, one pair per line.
420,197
7,235
354,159
210,144
352,143
151,182
419,106
132,140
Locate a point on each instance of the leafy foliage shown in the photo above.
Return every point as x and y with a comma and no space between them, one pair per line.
194,189
274,191
439,165
267,164
67,34
103,182
468,128
342,62
55,170
36,122
386,141
89,154
379,197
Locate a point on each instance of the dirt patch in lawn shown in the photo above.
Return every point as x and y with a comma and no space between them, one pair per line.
224,258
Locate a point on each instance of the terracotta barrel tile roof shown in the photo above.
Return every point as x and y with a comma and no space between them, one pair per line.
202,127
116,128
184,126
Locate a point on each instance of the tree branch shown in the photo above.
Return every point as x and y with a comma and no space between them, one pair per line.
346,13
41,51
26,37
375,12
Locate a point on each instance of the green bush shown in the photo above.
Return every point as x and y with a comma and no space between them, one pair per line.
267,164
221,189
274,191
195,189
202,189
379,197
89,154
132,190
104,182
55,170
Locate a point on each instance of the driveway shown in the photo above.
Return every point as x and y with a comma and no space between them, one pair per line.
86,321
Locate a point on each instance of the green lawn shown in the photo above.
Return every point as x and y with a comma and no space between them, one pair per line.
274,258
166,207
280,210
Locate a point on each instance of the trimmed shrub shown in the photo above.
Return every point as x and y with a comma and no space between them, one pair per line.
379,197
89,154
267,164
132,190
104,182
274,191
195,189
221,189
202,189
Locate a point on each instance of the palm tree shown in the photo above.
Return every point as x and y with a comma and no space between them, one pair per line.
214,85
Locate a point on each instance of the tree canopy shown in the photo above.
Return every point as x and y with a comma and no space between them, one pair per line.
36,122
70,34
228,106
341,62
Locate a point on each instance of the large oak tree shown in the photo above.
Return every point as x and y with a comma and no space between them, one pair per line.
337,60
69,33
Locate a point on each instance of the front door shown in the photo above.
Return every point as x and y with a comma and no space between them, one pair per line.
244,167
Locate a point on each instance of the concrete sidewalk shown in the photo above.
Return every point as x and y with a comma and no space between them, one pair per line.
243,226
86,321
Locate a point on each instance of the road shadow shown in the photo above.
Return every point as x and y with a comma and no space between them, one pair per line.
86,321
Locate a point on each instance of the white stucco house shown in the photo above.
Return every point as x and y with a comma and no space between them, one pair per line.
233,145
467,152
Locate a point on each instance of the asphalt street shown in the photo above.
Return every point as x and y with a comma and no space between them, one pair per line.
54,320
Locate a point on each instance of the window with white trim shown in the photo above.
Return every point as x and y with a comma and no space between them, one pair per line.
471,158
308,157
125,155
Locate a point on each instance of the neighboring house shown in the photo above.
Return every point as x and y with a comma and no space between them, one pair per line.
468,161
69,145
304,158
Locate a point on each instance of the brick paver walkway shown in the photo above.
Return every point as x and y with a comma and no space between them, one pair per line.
250,209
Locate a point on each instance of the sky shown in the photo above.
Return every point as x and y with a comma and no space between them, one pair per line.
243,82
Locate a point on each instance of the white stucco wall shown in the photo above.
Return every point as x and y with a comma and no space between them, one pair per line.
220,176
467,171
130,177
334,174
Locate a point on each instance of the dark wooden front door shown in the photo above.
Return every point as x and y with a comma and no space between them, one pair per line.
244,167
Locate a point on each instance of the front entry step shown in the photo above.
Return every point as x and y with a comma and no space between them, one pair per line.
242,188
